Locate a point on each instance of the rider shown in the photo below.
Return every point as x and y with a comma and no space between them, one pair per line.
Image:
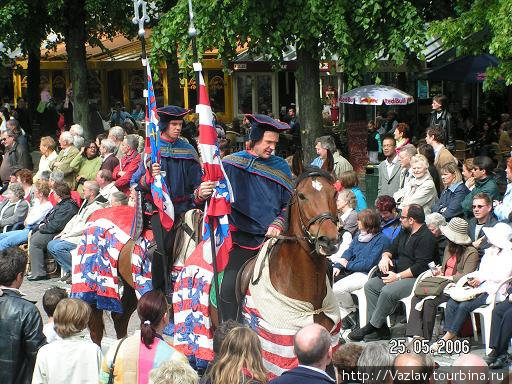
181,169
262,187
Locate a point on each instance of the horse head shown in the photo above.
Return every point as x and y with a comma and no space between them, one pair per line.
313,206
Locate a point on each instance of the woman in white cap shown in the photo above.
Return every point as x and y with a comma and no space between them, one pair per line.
460,258
495,266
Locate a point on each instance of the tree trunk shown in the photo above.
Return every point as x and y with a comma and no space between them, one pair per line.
75,48
33,80
173,81
310,112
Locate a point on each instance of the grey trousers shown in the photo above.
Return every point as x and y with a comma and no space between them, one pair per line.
383,299
38,242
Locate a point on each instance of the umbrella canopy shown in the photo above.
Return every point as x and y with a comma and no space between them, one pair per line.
376,95
468,69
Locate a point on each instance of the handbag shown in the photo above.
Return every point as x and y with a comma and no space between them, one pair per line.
113,365
463,292
431,286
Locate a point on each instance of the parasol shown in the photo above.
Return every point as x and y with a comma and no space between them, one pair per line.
376,95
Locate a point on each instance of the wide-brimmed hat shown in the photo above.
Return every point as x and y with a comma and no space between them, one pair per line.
456,231
500,235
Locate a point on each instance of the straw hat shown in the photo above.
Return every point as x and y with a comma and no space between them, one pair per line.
456,231
500,235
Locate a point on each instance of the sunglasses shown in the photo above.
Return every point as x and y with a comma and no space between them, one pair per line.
479,206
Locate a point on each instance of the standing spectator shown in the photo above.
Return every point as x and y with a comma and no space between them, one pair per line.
23,115
484,183
467,173
312,346
449,204
86,164
145,345
389,169
20,321
138,113
47,115
109,160
503,209
118,115
107,186
373,144
295,128
390,123
435,137
117,134
48,155
421,190
442,118
173,372
14,158
482,217
73,358
390,219
324,143
14,209
69,239
404,157
346,204
51,298
349,180
52,224
66,155
505,142
400,265
68,108
402,136
459,259
495,266
427,151
128,164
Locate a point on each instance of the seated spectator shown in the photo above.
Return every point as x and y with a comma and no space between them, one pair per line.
52,224
421,190
66,241
449,204
351,270
482,217
239,360
51,298
503,209
467,173
404,157
20,321
15,156
58,176
312,346
130,128
107,186
495,266
345,362
117,134
14,125
427,151
118,198
99,139
483,168
376,363
118,114
138,113
86,165
146,344
128,164
435,137
349,180
47,148
472,369
413,368
501,333
173,372
25,177
402,136
66,155
108,158
322,145
434,222
78,135
390,219
347,216
400,265
14,209
35,215
460,258
73,359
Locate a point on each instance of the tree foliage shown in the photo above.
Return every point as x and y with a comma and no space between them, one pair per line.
481,26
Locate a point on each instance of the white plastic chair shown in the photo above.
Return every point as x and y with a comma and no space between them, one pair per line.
485,313
361,299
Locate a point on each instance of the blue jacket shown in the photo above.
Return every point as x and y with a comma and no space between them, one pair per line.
391,228
503,210
303,376
364,256
449,204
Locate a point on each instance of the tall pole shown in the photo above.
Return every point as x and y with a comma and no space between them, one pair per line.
192,33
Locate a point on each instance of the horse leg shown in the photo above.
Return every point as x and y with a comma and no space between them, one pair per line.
129,304
96,325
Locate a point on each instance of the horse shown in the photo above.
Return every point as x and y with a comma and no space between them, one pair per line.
187,237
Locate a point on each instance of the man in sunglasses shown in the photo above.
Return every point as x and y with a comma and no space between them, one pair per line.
483,217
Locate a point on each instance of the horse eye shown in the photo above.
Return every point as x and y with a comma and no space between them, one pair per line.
301,196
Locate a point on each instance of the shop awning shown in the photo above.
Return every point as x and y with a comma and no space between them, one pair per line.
467,69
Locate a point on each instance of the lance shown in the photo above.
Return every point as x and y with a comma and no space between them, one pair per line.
192,33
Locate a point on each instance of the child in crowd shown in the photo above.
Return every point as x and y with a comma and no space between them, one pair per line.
51,298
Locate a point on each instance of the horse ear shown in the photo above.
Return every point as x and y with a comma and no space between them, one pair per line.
297,164
328,164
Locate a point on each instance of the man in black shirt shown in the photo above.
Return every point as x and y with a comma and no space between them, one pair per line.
400,265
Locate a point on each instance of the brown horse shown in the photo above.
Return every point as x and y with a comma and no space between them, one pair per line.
187,237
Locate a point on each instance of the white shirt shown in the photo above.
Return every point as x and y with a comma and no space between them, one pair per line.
108,190
37,213
44,164
390,165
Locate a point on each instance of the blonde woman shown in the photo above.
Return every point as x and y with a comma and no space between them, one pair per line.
421,189
48,154
239,360
449,204
74,358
